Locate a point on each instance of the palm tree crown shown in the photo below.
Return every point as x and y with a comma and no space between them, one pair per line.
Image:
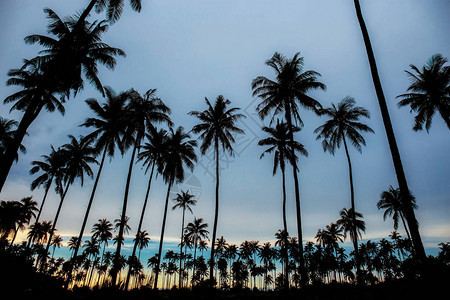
429,92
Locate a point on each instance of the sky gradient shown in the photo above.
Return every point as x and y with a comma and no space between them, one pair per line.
197,49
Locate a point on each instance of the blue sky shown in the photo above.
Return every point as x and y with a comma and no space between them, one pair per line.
197,49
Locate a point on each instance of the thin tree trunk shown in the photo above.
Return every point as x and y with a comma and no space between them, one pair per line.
161,240
401,178
285,252
352,198
216,214
52,231
124,210
47,188
140,224
180,280
87,11
88,209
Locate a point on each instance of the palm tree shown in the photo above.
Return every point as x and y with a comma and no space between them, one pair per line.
102,231
109,128
178,153
151,153
7,133
429,92
26,208
184,200
344,123
401,178
51,167
218,124
393,203
113,8
196,231
285,94
78,154
140,113
56,242
73,51
351,222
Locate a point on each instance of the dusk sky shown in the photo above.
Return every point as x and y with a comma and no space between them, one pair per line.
189,50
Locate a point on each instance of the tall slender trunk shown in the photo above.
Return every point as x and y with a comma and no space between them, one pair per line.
352,201
180,278
140,224
47,188
216,213
10,154
52,231
87,11
161,239
285,251
124,211
303,276
401,178
88,209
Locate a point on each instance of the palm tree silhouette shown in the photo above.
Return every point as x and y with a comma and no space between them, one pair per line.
429,92
26,208
78,154
140,113
179,152
151,155
102,231
51,167
285,94
113,8
343,123
108,129
218,123
393,203
351,222
73,51
196,231
184,201
7,133
396,159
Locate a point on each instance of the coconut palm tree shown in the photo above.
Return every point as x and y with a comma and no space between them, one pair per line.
343,124
78,155
58,70
393,204
184,201
102,231
108,129
140,113
151,153
51,167
396,159
217,126
113,8
27,207
56,243
179,152
286,94
429,92
8,129
196,231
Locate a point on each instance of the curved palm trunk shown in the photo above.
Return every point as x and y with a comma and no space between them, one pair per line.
303,276
180,278
216,213
161,240
140,225
124,210
401,178
352,198
87,11
52,231
10,154
88,209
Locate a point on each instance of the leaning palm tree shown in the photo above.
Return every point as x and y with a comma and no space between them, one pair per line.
393,204
151,153
216,128
73,51
78,154
108,130
343,124
396,159
429,92
8,129
179,152
184,201
286,94
140,113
